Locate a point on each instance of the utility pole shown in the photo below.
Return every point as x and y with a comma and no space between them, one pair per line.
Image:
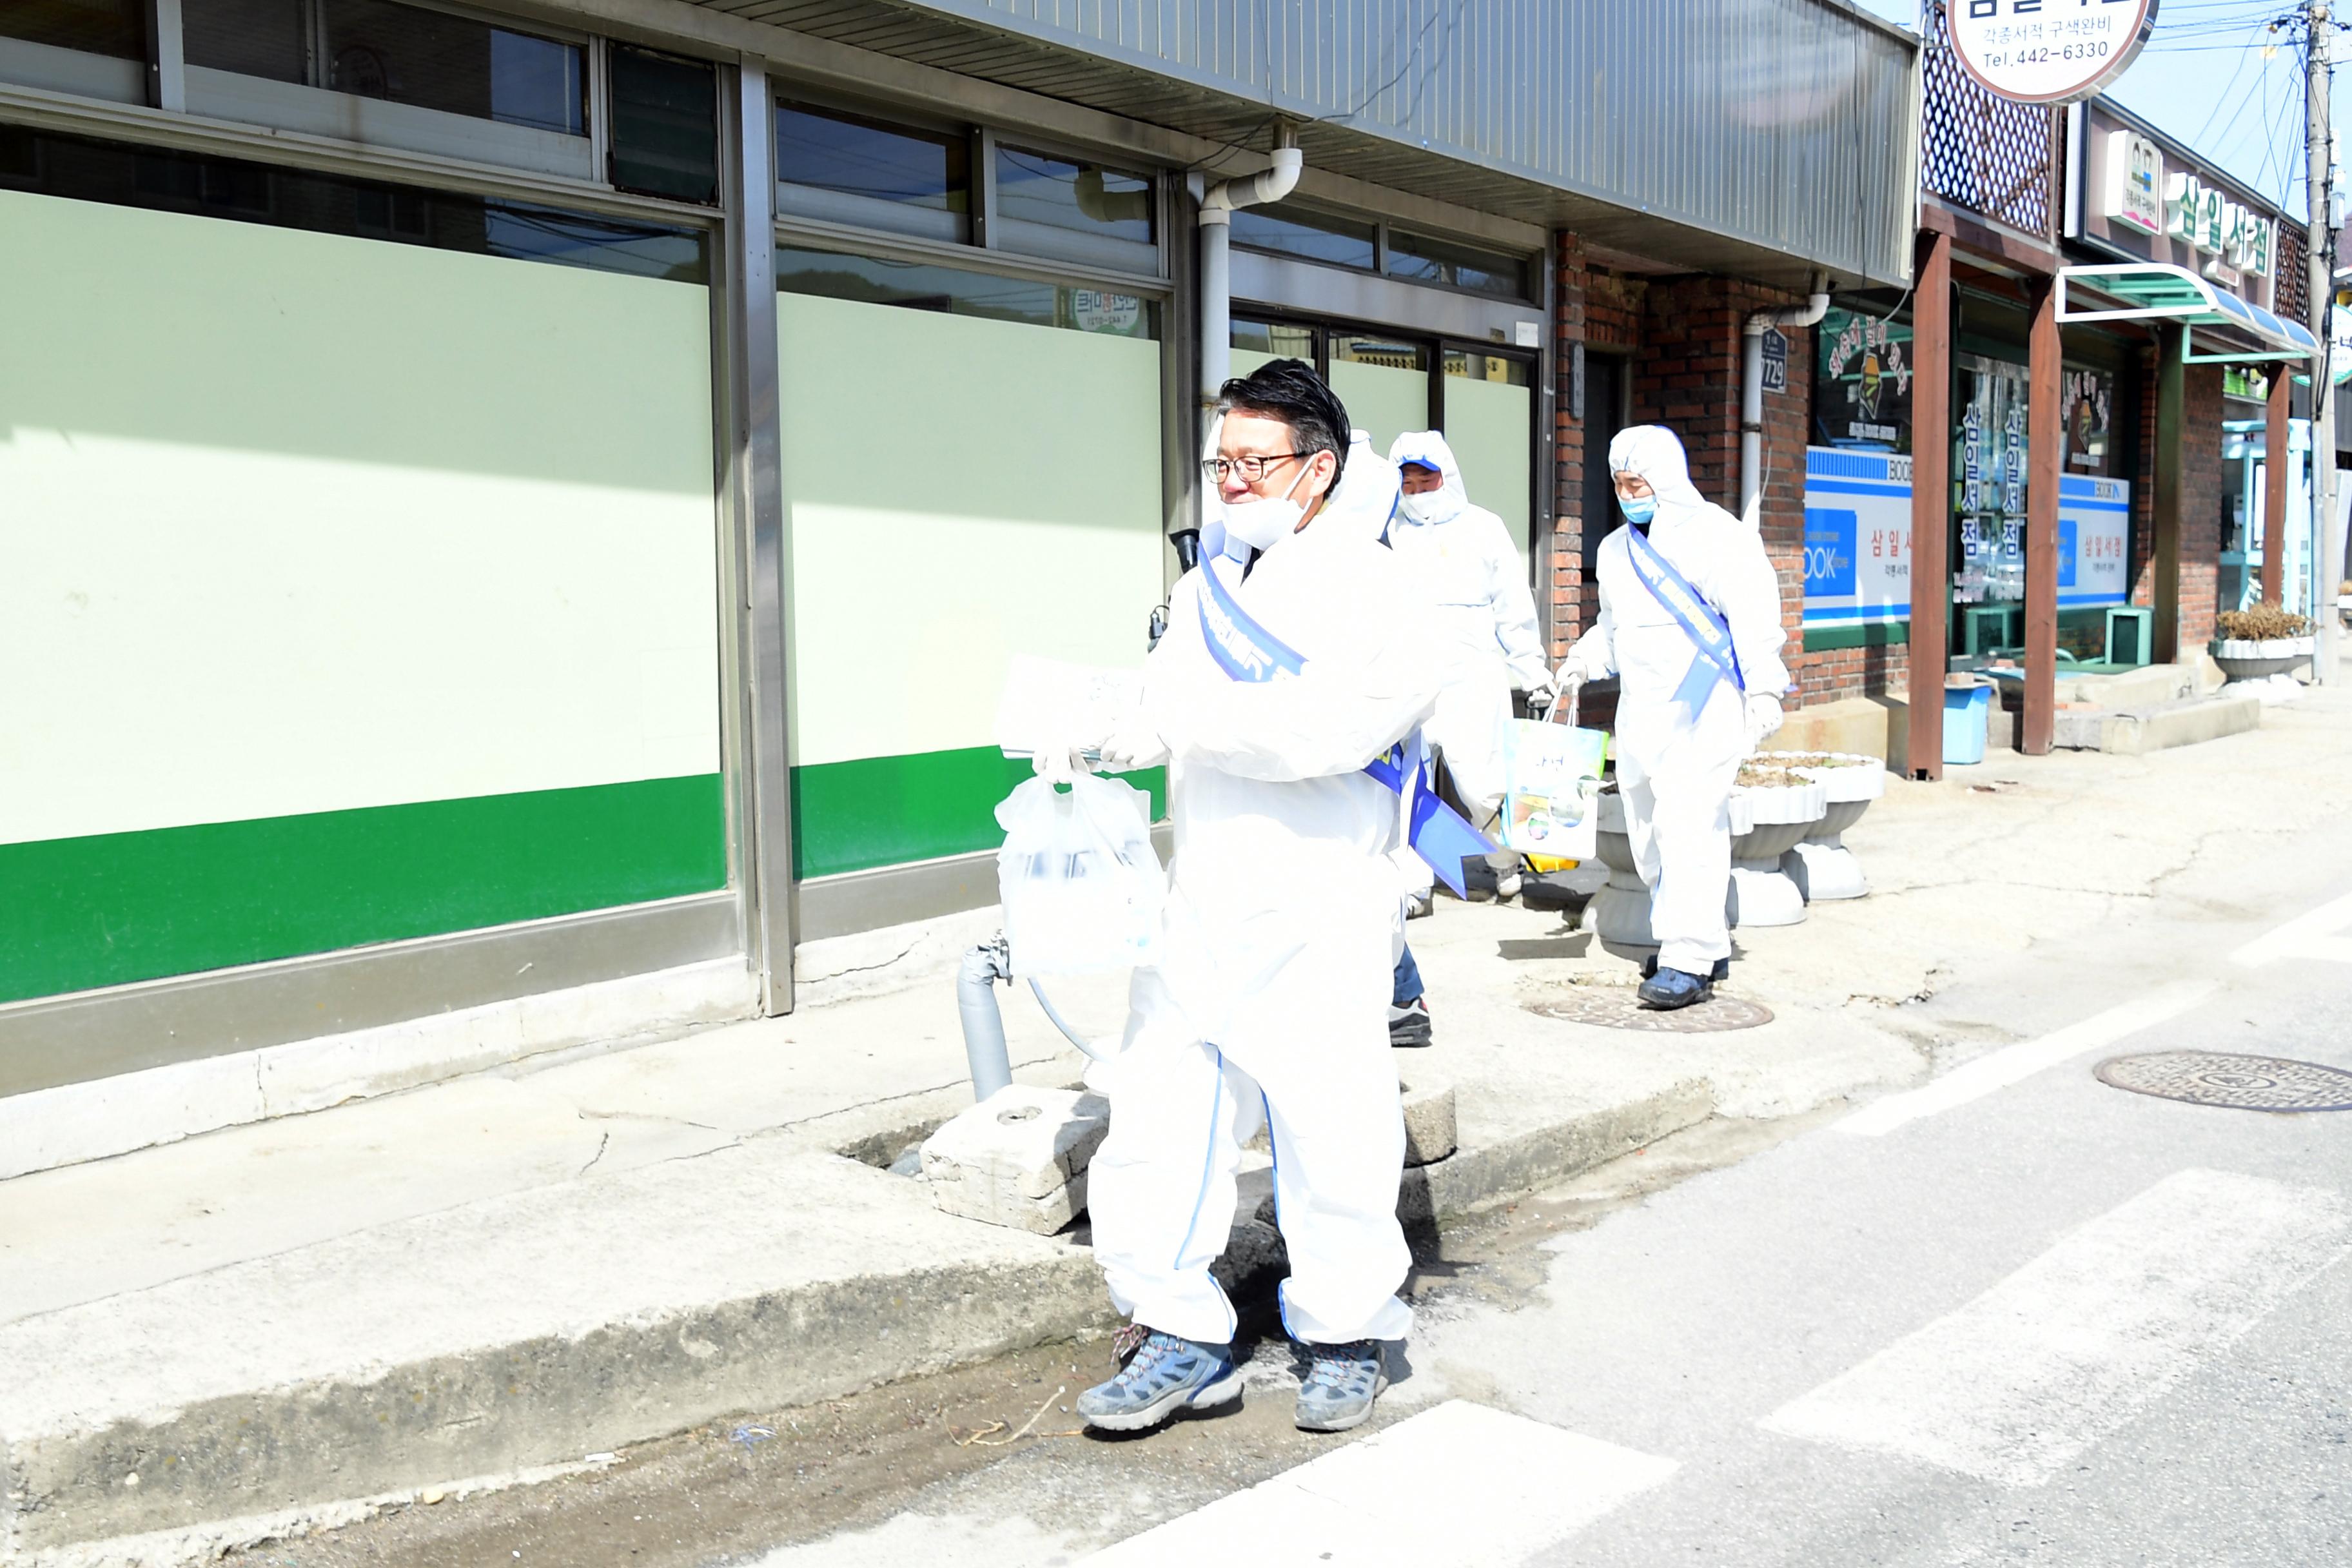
2319,148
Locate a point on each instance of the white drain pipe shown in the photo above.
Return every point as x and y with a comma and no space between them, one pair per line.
1216,255
1752,390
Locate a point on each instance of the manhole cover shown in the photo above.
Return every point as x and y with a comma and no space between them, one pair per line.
1616,1007
2239,1083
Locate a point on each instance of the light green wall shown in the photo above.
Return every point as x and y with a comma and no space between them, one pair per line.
294,522
1490,425
958,491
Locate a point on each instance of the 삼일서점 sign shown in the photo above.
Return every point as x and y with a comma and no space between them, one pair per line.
2047,51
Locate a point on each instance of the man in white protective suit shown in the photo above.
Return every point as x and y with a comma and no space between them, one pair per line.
1465,564
1273,688
1690,625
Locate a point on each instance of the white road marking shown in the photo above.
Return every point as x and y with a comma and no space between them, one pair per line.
2305,936
2013,1064
1458,1484
2015,1385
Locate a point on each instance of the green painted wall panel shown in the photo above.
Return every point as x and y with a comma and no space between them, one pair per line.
886,811
114,907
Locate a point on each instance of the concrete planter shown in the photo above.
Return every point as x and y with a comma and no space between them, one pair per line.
1619,913
1766,824
1821,864
2261,668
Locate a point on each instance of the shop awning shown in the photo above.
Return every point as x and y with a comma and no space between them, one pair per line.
2221,325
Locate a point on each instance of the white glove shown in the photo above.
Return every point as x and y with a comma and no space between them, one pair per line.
1763,718
1414,879
1543,693
1058,765
1132,746
1573,671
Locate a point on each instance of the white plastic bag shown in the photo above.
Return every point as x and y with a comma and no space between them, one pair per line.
1081,884
1554,771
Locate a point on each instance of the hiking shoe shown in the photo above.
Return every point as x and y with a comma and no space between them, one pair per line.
1338,1389
1671,988
1409,1024
1721,973
1165,1374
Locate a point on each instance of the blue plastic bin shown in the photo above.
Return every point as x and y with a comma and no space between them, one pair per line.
1966,710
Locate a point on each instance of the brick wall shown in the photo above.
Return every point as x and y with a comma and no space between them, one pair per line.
2202,479
1601,309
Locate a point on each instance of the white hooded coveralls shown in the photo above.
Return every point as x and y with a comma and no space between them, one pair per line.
1465,563
1676,775
1282,923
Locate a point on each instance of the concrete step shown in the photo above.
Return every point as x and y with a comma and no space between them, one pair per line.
2139,730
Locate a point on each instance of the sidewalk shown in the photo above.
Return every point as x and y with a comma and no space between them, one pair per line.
223,1338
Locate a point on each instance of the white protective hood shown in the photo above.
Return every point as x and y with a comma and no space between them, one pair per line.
1655,454
1428,448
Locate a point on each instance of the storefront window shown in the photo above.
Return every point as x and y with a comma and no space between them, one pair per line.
405,54
1490,425
953,290
665,125
1427,260
1081,212
1862,382
1989,484
327,203
1383,382
2088,403
1310,236
851,170
1255,343
116,27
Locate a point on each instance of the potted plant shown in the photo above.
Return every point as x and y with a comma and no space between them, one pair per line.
1773,807
2257,647
1822,866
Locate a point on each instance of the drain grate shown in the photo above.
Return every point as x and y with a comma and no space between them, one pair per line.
1616,1007
2235,1082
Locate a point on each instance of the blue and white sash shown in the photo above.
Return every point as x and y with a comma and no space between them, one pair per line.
1246,651
1716,661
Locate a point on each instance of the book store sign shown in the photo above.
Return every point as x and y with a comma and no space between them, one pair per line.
2047,51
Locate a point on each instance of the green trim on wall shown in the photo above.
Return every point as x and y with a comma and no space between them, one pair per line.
1873,634
886,811
118,907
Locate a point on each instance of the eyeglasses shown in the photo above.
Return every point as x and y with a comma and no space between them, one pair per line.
1252,469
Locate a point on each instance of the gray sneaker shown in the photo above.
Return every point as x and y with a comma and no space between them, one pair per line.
1165,1374
1338,1389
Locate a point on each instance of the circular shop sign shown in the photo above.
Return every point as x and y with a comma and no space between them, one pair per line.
2047,51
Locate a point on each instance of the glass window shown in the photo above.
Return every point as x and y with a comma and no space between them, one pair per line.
405,53
1311,237
2087,403
953,290
1429,260
98,26
1384,383
1500,369
1273,340
665,125
1075,211
252,37
850,156
287,198
1862,381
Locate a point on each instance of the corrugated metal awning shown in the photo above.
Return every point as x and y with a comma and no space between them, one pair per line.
2222,327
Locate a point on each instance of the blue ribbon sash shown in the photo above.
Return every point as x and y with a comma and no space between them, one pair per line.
1716,661
1246,651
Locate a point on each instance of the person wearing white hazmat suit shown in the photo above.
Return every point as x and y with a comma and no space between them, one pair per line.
1690,625
1294,659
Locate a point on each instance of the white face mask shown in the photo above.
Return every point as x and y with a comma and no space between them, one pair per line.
1429,506
1260,524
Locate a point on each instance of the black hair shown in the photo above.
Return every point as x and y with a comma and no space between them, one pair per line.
1290,391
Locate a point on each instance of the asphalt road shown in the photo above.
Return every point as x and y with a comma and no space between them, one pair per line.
2015,1316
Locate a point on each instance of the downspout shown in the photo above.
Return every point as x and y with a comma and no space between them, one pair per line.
1752,390
1217,206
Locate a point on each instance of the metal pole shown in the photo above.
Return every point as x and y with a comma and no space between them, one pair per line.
2276,484
1931,500
2044,430
2318,149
